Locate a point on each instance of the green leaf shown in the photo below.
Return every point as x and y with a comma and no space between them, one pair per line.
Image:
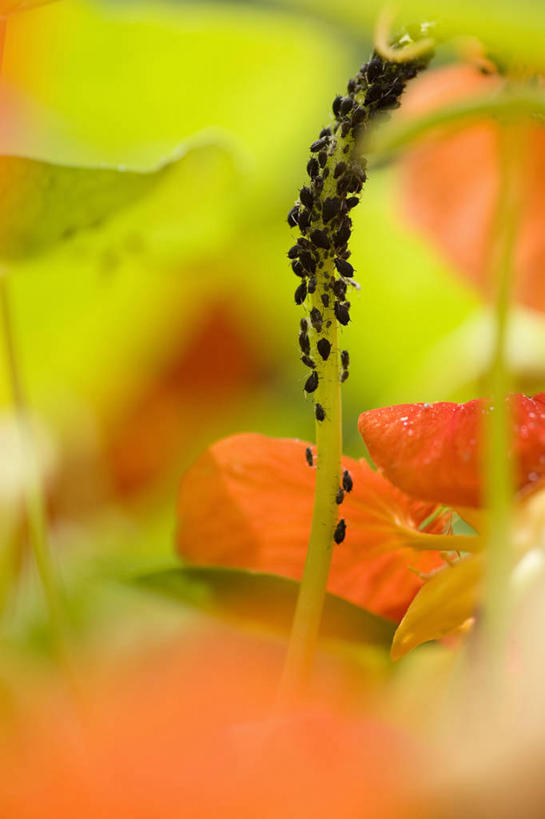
263,599
45,203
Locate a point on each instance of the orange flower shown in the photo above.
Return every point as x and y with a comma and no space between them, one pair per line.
247,503
434,452
451,184
190,731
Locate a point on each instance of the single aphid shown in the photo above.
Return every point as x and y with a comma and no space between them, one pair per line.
306,197
345,268
324,348
340,531
308,456
319,144
339,497
301,293
313,168
319,412
339,289
348,483
320,239
308,361
311,383
345,359
342,313
330,208
293,216
337,105
316,319
304,343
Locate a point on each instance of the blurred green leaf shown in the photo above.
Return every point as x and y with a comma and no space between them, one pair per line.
44,203
264,600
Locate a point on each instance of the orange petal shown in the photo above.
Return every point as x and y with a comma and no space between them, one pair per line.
247,502
451,183
441,607
434,451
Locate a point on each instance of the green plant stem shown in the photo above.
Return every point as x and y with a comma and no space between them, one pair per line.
33,495
308,613
499,478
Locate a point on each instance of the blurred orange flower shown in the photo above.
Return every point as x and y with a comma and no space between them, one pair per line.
451,183
8,7
247,502
191,731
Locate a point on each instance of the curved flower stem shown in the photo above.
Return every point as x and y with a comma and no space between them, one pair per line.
498,467
33,498
311,598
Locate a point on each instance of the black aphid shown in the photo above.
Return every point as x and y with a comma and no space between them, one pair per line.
293,216
348,483
358,116
312,284
304,343
324,348
345,268
319,145
346,105
325,299
337,105
312,382
340,168
313,168
322,159
344,376
345,359
298,268
340,531
339,497
352,202
342,312
374,69
304,219
308,361
339,288
330,208
306,197
303,324
308,261
343,234
320,239
319,412
316,319
294,252
301,293
308,456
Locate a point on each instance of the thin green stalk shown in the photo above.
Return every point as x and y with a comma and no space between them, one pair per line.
308,613
337,174
499,483
33,495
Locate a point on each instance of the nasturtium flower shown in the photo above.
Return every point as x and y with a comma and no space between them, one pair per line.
247,503
451,183
434,452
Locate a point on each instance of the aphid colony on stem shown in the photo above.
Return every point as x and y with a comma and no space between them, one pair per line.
337,173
